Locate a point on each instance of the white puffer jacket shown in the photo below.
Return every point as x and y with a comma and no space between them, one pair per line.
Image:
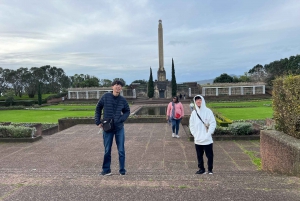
202,136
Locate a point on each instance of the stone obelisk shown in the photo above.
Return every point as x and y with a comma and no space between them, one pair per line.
161,73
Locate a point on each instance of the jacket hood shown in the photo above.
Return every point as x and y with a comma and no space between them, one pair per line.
203,105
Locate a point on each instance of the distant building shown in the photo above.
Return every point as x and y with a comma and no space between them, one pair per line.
241,88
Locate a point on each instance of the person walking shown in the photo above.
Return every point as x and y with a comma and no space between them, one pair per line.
192,105
115,107
175,113
202,125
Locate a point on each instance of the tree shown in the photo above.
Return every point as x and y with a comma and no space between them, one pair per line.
39,95
3,83
92,82
244,78
14,79
223,78
34,77
282,67
9,97
150,85
77,80
105,83
84,81
257,73
173,81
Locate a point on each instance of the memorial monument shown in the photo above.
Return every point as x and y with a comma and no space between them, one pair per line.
162,87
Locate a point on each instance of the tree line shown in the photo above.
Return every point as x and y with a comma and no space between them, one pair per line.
266,73
50,79
46,79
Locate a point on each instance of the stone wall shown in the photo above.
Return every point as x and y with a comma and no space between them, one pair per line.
67,123
50,131
280,153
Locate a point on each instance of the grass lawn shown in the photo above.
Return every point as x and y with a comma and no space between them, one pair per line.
260,103
246,113
42,116
244,110
254,110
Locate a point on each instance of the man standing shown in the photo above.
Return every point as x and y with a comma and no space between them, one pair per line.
202,126
115,107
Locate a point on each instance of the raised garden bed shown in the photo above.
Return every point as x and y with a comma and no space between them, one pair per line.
41,129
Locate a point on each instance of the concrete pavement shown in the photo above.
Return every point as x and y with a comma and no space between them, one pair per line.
65,166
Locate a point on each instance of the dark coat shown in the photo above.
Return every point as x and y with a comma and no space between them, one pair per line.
109,102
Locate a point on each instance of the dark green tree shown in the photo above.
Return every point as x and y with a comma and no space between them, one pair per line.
173,81
257,73
150,85
9,97
244,78
39,95
223,78
105,83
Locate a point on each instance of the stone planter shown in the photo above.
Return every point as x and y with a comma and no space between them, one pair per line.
35,136
223,137
67,123
50,131
280,152
38,128
21,139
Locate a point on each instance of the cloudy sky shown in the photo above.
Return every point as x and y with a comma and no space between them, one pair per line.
119,38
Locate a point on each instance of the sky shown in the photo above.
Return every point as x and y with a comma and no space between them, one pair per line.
119,39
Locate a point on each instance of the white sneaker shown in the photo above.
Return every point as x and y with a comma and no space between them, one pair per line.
177,136
173,134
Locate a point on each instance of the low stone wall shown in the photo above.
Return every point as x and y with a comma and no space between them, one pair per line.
223,137
279,152
50,131
67,123
38,128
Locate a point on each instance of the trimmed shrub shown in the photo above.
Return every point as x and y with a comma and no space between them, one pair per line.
16,131
222,120
286,105
241,128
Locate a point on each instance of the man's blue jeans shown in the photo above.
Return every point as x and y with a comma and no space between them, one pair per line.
107,141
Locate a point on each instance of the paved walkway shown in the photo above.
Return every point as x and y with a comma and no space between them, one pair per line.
65,166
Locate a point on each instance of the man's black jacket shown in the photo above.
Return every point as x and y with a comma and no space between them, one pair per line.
109,102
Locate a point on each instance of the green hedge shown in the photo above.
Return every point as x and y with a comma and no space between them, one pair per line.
16,131
286,105
18,103
237,128
221,120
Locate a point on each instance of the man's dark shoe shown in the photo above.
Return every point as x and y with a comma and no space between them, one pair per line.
106,173
210,172
201,172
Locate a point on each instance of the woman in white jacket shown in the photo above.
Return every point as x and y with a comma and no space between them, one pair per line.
202,125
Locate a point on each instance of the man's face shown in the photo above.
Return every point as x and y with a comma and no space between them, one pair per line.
117,88
198,102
